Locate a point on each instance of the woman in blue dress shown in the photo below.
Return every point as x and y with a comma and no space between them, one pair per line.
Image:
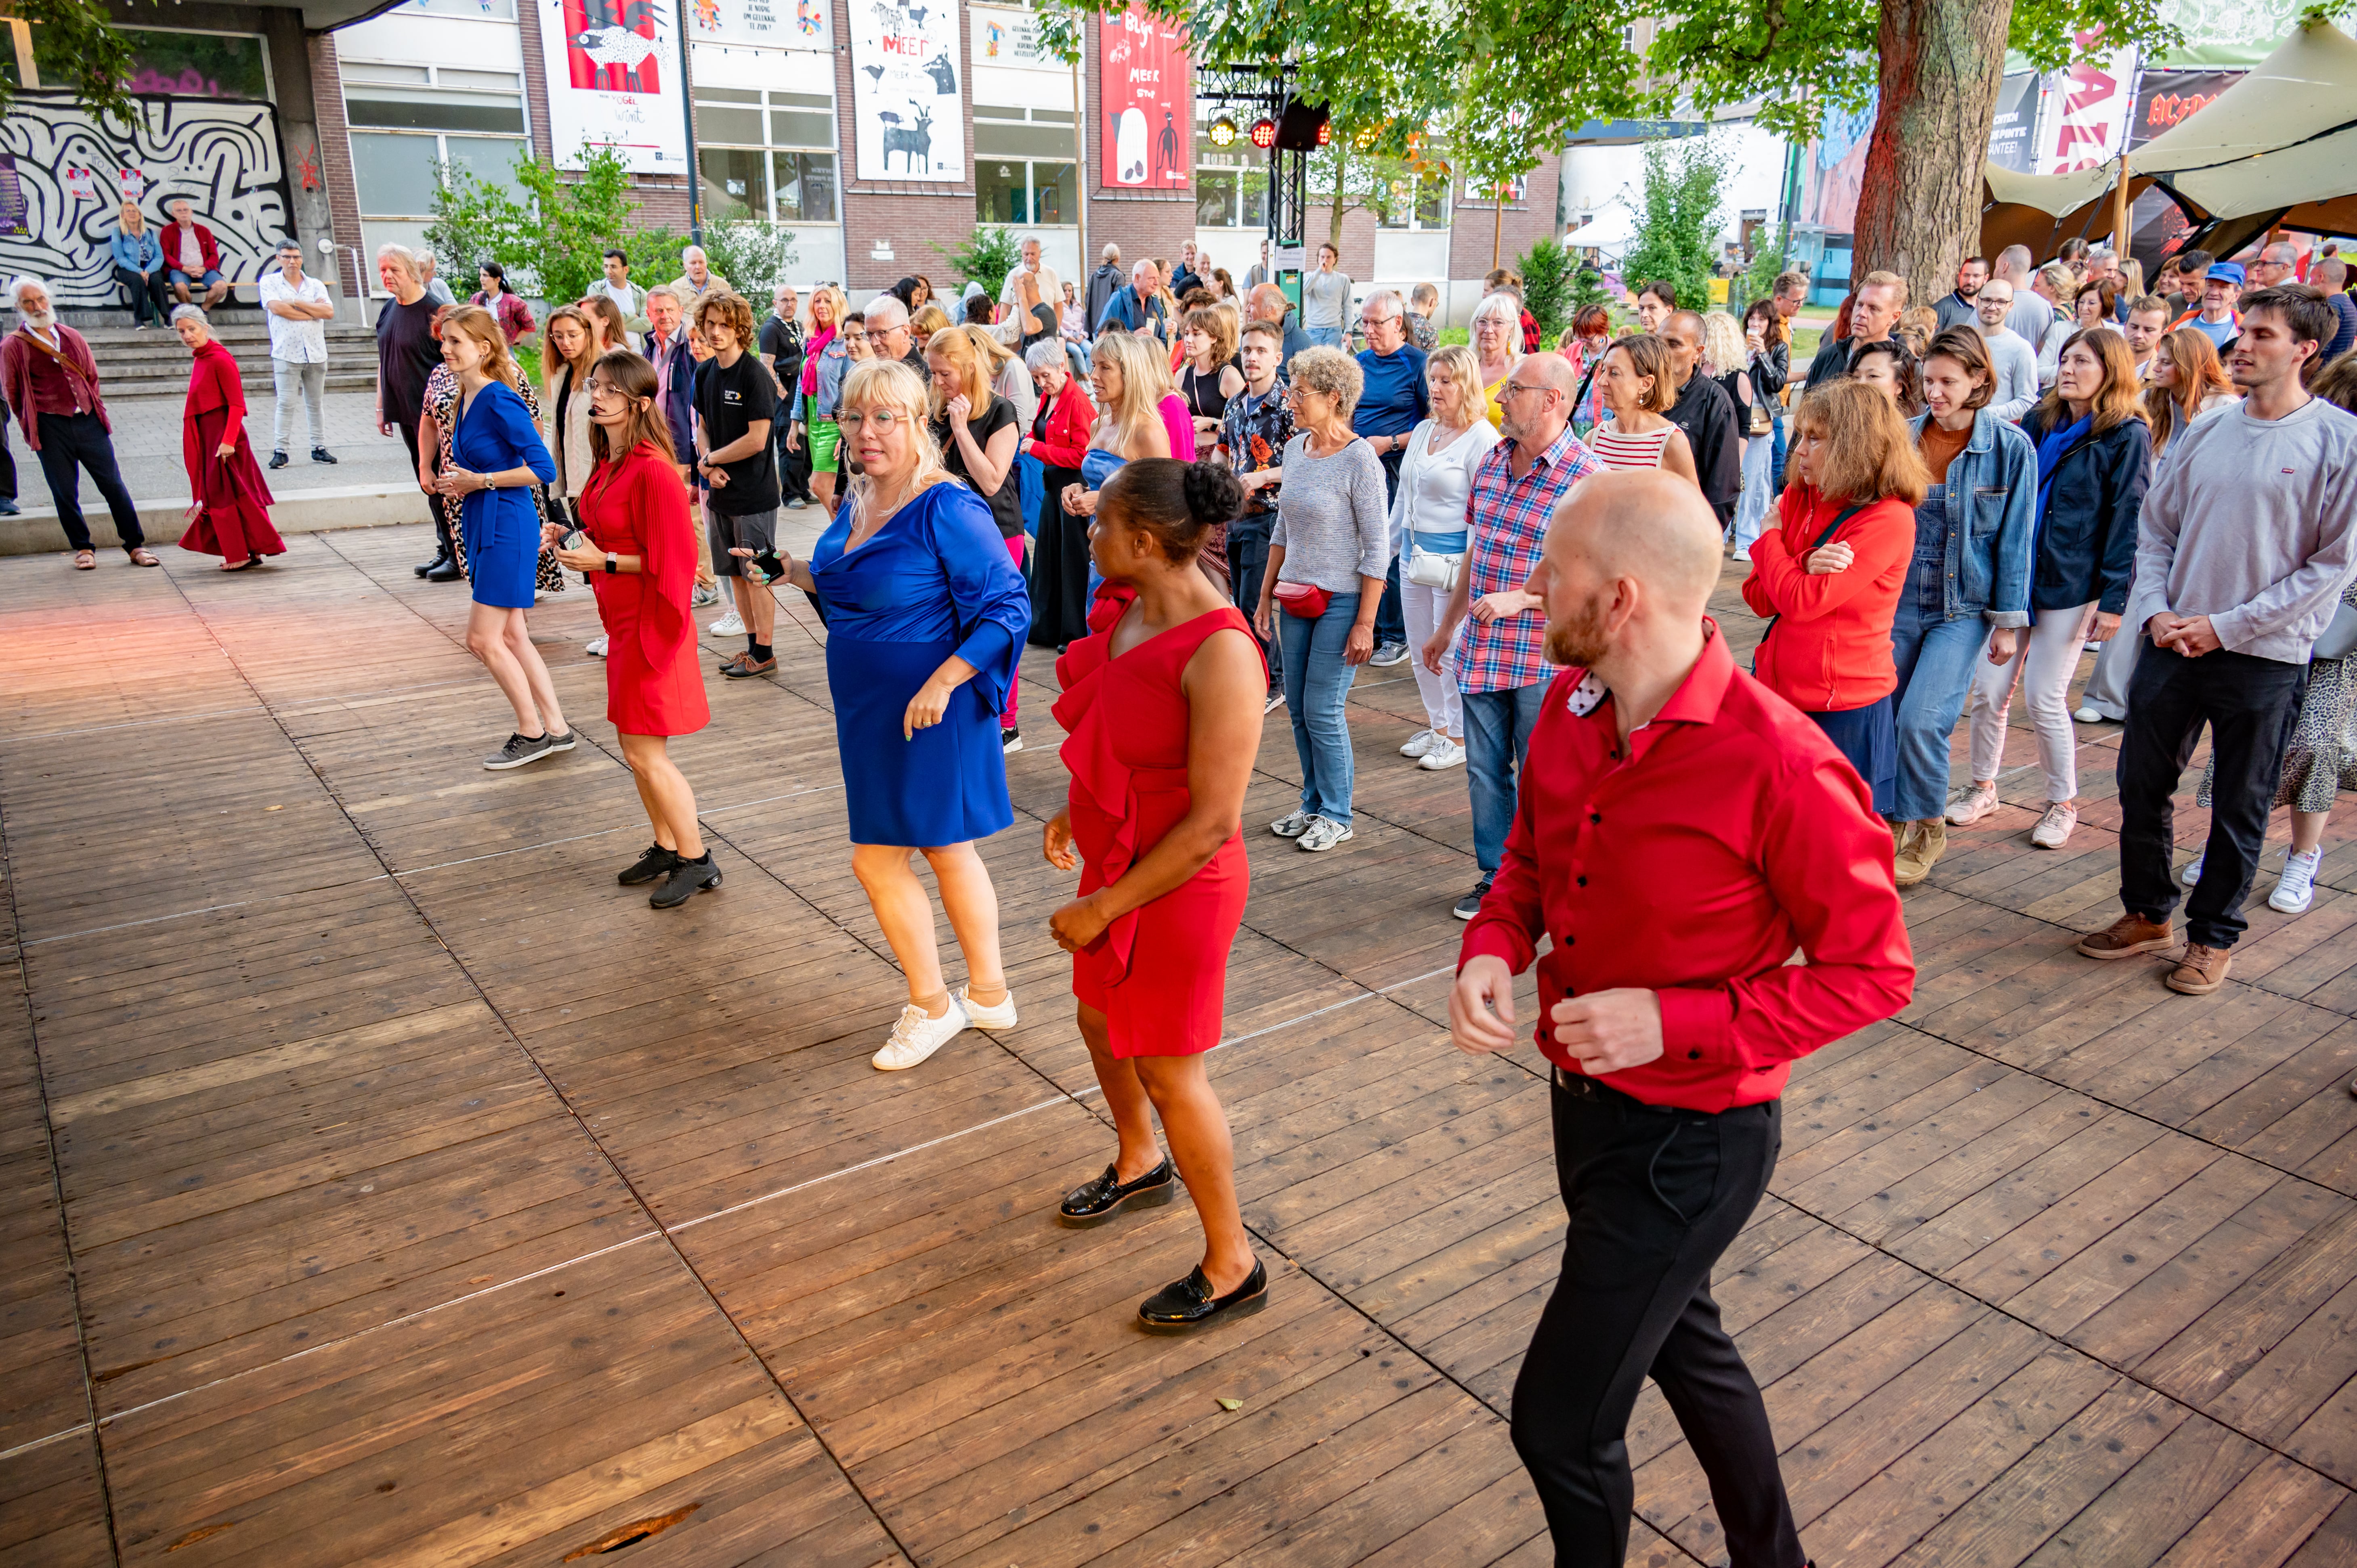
496,459
925,617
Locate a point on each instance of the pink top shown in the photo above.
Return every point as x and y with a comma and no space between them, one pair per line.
1180,425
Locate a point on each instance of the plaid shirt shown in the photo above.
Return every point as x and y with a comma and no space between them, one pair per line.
1508,520
1252,434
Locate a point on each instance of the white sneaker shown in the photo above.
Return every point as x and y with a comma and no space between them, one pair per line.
2088,717
999,1017
2192,871
2296,889
730,625
2053,829
1419,743
704,598
1322,835
596,647
1447,753
1275,701
916,1036
1291,825
1970,803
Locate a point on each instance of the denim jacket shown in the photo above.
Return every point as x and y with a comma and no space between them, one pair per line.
1989,561
139,252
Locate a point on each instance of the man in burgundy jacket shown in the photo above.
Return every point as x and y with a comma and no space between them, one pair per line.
191,259
48,376
1681,831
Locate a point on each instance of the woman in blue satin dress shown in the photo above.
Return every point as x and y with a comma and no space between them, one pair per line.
925,617
496,459
1124,373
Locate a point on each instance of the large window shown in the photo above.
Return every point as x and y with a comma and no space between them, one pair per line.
1023,168
766,155
1414,202
409,120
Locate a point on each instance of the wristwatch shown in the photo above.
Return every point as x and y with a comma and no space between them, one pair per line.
612,563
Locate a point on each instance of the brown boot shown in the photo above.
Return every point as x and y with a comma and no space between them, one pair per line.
2128,936
1920,850
2201,970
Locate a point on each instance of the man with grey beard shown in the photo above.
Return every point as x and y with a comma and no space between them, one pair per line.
49,377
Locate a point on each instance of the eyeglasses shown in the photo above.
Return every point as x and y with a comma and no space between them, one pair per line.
855,337
1514,388
883,419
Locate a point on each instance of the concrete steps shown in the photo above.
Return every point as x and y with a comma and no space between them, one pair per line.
134,362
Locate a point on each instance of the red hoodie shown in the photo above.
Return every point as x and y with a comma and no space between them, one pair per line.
1830,649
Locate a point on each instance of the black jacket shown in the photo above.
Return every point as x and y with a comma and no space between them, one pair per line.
1706,414
1101,284
1771,369
2087,525
1833,359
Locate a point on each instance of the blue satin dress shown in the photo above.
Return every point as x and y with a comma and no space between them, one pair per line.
501,528
934,581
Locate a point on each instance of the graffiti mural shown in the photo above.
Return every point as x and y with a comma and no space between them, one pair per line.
71,174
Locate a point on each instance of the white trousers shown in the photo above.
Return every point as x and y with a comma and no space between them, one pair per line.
1425,609
2045,657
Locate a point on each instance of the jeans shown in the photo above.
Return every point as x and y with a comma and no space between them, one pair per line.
147,299
1316,687
68,440
2250,704
1758,497
2045,657
1497,739
1247,563
1444,705
1653,1196
1936,655
1776,479
1324,336
307,382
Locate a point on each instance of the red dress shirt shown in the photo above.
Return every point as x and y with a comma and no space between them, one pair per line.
1730,835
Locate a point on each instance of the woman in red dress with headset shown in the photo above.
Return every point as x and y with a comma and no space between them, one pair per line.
640,558
1162,713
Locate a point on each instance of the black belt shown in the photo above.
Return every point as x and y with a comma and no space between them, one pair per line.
1582,1086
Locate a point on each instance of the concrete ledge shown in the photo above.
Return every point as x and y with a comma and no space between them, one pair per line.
36,532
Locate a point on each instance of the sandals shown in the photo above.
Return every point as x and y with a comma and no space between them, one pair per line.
143,556
85,561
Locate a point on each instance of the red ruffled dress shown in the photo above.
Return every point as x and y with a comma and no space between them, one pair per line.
654,684
1159,973
232,521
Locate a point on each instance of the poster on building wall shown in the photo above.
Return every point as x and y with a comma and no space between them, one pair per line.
904,92
1002,36
760,23
1148,101
614,81
2092,102
2165,99
2012,131
1836,167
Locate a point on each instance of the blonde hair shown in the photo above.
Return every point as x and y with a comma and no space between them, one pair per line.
484,328
1464,368
1869,452
130,209
929,319
556,362
995,355
1145,376
837,307
973,370
896,385
1723,347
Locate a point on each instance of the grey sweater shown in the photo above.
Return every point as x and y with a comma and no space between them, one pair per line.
1330,518
2252,522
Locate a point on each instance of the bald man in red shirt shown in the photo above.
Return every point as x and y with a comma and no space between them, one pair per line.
1680,831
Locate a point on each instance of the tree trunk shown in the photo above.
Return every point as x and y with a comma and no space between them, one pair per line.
1334,213
1918,205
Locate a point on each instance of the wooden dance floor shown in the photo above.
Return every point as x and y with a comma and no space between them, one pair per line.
386,1186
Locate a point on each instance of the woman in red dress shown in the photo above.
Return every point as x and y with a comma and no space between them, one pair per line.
1162,712
230,494
640,558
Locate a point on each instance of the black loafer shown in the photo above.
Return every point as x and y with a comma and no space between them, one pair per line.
688,879
656,862
425,567
1189,1304
1094,1202
446,571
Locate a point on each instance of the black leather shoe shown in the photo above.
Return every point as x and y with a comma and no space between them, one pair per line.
424,567
657,862
1094,1202
1190,1303
321,454
688,879
278,459
444,571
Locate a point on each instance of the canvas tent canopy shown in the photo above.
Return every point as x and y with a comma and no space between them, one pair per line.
2278,147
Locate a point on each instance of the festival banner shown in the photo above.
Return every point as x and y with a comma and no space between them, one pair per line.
2010,136
1148,101
614,81
760,23
2165,99
905,99
1005,36
2092,112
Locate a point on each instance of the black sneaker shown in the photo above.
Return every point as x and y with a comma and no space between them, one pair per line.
278,459
657,862
1470,905
1011,739
518,751
1100,1198
688,879
1190,1303
321,454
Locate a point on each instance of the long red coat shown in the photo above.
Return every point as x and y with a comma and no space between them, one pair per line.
232,496
654,684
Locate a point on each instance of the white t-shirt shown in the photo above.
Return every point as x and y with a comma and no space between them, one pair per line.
298,342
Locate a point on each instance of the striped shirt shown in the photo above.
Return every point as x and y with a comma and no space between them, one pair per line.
1508,520
1618,449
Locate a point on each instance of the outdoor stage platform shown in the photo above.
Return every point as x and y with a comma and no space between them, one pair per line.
384,1185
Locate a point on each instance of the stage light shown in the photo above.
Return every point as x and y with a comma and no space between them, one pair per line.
1223,131
1325,131
1263,133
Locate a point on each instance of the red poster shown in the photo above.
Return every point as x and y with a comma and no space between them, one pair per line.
610,46
1149,133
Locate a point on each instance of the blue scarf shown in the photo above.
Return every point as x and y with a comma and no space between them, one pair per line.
2050,448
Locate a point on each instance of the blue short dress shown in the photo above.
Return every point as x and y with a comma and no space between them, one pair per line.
501,528
934,581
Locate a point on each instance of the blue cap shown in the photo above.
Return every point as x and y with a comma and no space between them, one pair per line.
2231,271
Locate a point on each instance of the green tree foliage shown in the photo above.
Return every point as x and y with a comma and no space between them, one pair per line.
1677,233
986,256
1547,271
753,256
78,48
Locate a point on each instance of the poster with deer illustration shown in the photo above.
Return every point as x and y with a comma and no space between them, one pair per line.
906,91
614,81
1149,134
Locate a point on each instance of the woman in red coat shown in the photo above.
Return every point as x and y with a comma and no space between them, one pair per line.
232,497
1831,571
640,558
1060,550
1162,713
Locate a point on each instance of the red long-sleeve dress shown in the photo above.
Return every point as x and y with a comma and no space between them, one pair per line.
1159,973
232,520
638,507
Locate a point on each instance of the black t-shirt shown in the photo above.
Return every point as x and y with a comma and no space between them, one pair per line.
729,398
782,341
406,353
1006,504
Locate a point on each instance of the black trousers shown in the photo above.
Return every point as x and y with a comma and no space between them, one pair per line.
2250,704
794,466
442,545
1653,1196
147,294
72,441
7,459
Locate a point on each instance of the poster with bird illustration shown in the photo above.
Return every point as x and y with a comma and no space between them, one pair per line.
1148,134
906,94
615,82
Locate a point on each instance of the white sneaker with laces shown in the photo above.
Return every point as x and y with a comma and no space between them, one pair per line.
1447,753
2192,871
1001,1016
916,1037
2053,829
2296,888
1275,701
730,625
596,647
1419,743
1291,825
1970,803
2088,717
1322,835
